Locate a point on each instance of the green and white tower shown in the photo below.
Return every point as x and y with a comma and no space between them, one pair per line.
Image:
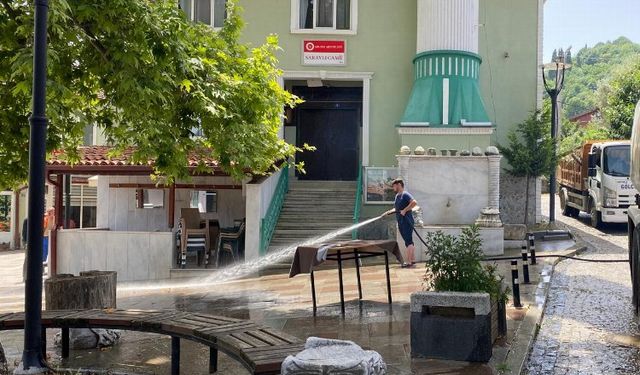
446,109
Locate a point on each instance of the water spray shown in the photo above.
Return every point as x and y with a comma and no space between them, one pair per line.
239,271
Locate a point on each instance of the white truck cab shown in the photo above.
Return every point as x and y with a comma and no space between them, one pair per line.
609,183
595,179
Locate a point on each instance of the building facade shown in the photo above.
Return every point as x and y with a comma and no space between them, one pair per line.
373,74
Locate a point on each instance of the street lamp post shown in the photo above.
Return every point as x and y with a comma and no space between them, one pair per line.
553,89
32,359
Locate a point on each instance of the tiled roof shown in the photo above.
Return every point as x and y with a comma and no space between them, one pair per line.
97,156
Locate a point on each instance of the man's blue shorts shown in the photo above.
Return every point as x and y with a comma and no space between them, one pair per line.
406,231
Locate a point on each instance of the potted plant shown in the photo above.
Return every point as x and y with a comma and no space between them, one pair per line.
462,310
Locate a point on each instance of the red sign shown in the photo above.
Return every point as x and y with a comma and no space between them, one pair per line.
324,46
324,52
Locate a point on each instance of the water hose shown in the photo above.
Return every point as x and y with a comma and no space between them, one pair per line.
538,256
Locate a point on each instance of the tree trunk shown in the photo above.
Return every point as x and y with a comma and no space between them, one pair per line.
90,290
526,202
4,367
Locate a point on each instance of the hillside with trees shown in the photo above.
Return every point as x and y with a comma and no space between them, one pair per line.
591,68
605,77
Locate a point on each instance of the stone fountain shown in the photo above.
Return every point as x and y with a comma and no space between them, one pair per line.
454,192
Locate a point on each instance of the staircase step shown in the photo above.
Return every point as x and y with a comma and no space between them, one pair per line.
312,209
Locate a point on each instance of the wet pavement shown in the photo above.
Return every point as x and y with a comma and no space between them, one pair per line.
275,300
589,326
285,304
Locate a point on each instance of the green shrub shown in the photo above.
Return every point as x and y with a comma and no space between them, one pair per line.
455,264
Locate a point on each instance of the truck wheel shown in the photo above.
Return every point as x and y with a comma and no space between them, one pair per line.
566,209
575,212
596,219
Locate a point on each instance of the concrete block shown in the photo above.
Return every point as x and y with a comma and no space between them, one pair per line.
479,302
515,231
442,328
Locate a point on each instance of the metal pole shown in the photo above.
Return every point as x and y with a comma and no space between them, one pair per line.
515,284
32,360
67,202
554,130
532,247
525,265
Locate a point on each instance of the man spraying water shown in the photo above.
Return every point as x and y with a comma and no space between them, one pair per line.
403,205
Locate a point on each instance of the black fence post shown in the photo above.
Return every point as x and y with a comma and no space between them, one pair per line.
525,265
515,286
175,355
531,243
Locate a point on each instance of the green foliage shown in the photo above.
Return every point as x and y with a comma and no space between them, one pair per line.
530,149
620,97
147,77
455,264
592,67
574,135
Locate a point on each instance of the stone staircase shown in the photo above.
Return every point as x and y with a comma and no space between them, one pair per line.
312,209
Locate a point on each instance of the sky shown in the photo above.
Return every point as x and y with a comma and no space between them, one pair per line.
579,22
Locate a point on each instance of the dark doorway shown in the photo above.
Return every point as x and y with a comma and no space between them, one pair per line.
330,120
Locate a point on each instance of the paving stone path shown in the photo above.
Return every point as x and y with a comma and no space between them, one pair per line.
589,326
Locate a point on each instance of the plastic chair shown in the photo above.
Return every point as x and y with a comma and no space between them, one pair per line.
194,236
229,242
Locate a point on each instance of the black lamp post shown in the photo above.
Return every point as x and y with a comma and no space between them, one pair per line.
32,357
553,89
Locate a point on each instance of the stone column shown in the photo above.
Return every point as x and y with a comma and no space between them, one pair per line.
494,181
490,216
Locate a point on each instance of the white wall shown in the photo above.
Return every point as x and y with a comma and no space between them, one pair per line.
259,196
450,190
135,256
117,208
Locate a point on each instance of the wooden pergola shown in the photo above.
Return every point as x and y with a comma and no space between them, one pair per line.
97,161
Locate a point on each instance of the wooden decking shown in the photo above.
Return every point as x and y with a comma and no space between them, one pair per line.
259,349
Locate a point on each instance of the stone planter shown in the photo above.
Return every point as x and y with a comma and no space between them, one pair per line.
455,326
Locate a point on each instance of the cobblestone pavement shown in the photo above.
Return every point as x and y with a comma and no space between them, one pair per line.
589,326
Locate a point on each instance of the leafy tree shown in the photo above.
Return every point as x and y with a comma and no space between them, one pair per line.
567,58
147,77
620,97
591,69
574,135
530,151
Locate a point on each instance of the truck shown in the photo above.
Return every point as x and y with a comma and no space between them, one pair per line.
634,213
595,179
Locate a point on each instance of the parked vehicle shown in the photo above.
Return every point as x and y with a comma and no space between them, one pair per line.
634,212
595,179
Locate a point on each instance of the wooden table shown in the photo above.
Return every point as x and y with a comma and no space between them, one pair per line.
306,258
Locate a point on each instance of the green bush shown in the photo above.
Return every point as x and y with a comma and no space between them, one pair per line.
454,264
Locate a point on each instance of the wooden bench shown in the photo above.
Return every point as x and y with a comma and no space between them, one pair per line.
259,349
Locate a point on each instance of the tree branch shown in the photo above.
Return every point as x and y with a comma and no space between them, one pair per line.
92,39
10,11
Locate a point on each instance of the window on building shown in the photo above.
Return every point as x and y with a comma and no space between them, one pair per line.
210,12
149,198
204,201
83,208
324,15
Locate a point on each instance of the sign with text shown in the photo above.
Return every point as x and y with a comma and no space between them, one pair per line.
324,52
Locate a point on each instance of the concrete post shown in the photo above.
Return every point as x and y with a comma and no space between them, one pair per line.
494,181
253,216
403,168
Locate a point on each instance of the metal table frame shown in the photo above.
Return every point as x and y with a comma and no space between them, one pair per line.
357,255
